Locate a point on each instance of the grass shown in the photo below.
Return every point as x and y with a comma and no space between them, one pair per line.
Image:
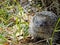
55,30
12,23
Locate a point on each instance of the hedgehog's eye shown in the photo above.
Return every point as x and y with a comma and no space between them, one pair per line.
45,22
37,22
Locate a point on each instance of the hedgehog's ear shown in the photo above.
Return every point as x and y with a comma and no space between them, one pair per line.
55,18
54,21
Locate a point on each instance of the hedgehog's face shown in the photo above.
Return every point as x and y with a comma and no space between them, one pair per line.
41,21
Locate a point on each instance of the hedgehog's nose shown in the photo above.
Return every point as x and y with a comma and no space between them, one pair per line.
42,24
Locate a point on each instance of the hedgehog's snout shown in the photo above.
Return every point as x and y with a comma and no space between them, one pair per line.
40,23
43,23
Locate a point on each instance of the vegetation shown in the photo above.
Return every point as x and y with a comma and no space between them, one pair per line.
56,29
13,24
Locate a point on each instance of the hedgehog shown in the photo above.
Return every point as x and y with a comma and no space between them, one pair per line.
42,25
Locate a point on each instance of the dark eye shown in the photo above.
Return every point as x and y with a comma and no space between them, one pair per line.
37,22
45,22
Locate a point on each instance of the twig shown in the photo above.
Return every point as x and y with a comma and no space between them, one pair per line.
42,41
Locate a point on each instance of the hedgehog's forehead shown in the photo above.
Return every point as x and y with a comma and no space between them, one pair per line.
40,17
44,16
46,13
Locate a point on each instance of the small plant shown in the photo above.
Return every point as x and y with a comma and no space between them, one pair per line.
56,29
11,21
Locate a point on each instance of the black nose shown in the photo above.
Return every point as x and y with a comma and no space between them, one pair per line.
43,24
